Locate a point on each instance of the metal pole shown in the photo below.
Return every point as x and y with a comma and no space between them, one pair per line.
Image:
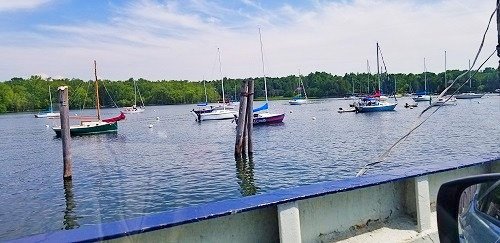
65,131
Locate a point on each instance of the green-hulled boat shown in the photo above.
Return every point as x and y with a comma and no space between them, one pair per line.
97,126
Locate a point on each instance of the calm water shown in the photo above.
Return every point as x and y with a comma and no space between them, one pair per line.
179,162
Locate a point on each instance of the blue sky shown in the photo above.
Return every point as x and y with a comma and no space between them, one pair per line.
159,39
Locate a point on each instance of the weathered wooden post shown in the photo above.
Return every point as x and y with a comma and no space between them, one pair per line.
498,33
249,118
241,127
65,134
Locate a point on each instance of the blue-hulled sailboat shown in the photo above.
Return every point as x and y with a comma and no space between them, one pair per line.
374,103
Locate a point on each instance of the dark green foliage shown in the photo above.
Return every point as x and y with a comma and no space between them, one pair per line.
30,94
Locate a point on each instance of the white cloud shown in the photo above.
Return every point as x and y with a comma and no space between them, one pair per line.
12,5
173,41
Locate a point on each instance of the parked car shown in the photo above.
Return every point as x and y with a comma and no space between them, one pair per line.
468,209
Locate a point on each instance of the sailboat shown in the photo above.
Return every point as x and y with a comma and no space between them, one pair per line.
376,102
134,109
298,100
423,96
264,116
216,113
94,126
443,99
469,95
50,113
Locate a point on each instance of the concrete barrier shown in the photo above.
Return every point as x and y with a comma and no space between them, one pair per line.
329,211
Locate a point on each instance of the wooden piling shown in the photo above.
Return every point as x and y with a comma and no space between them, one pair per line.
249,117
65,131
241,127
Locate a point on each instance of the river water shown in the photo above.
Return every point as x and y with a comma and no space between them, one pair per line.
179,162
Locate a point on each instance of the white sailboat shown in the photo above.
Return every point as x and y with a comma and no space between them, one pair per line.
265,117
423,96
299,100
50,113
218,113
469,95
134,109
443,99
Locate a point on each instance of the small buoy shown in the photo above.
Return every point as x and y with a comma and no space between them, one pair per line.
157,118
154,110
291,111
46,125
314,118
150,125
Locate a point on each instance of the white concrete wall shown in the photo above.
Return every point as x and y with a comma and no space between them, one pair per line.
436,180
341,211
310,219
253,226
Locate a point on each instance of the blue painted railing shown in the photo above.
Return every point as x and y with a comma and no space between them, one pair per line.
217,209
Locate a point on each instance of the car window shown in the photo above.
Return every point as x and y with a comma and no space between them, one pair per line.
489,200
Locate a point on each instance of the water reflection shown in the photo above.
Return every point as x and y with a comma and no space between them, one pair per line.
245,175
70,217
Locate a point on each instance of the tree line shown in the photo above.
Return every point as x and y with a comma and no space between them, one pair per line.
32,94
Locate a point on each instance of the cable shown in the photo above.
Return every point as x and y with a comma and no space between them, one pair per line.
387,152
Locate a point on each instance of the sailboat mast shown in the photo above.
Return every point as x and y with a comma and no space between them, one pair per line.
135,93
378,69
368,69
98,108
303,86
470,80
445,69
205,87
263,69
50,99
352,81
425,77
222,81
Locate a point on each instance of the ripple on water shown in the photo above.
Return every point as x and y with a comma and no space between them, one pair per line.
179,162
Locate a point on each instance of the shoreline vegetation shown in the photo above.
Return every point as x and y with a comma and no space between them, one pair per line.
30,94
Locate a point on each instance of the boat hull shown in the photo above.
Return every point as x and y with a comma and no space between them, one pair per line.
131,110
47,115
377,108
297,102
216,115
422,98
469,96
89,128
267,118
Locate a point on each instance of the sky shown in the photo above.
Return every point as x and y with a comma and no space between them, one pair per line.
178,40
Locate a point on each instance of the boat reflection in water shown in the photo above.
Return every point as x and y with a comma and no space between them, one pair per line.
70,220
245,175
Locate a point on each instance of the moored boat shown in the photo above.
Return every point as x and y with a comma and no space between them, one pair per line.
50,113
264,117
94,126
221,112
469,95
372,104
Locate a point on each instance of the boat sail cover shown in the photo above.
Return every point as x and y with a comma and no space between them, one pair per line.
115,119
263,107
